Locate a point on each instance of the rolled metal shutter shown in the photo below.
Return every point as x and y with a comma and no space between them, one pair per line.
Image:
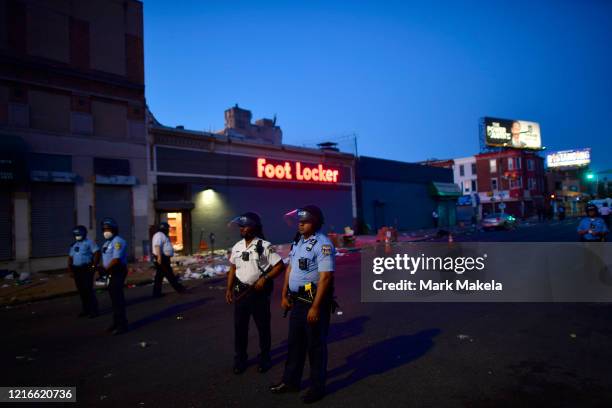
115,202
6,227
53,219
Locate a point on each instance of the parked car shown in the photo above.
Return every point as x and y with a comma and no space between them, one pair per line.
498,221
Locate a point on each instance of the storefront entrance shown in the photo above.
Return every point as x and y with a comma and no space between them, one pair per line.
179,234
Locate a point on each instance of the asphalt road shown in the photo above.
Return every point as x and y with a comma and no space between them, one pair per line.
383,354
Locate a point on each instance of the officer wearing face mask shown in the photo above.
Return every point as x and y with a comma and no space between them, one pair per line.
308,293
114,262
83,260
162,252
253,265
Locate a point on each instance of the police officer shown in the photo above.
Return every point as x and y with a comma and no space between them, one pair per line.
83,260
253,265
163,251
114,262
308,292
592,228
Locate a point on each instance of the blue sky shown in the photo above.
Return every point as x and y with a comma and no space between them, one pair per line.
411,79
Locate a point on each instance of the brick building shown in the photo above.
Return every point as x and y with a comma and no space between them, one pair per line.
72,126
514,177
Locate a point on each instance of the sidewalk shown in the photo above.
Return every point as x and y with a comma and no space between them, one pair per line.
53,284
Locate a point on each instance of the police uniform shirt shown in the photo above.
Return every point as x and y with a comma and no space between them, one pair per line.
82,252
162,241
593,224
115,248
319,255
246,270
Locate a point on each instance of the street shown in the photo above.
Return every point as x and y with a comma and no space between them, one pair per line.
179,349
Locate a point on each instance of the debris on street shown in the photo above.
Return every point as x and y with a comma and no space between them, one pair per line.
201,265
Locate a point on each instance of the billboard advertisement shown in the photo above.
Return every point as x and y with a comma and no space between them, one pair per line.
569,158
517,134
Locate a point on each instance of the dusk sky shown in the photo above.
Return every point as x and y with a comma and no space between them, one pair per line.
411,79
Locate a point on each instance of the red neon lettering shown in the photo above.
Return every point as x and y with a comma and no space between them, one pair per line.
302,173
260,167
298,171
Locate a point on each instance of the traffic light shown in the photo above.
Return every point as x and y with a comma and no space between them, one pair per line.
590,176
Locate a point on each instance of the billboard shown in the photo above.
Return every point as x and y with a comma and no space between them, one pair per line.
517,134
569,158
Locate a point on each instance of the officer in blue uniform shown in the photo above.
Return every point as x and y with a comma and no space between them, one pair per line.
83,260
114,262
592,228
308,293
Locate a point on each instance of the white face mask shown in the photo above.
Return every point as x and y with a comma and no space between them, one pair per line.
108,234
78,237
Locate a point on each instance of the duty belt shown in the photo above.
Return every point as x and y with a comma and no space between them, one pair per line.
304,293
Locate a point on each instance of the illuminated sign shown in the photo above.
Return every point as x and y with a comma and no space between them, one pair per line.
569,158
518,134
296,171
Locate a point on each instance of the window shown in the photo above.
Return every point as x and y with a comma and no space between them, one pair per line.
493,165
473,185
558,185
531,183
518,163
530,165
473,168
516,183
111,167
461,170
494,184
510,163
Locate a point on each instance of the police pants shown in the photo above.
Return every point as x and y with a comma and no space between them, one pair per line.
306,338
256,304
164,270
115,289
84,279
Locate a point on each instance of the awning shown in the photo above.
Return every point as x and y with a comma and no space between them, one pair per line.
53,176
116,180
174,205
445,190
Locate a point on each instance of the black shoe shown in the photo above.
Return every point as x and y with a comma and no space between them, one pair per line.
263,366
82,314
119,330
311,396
111,328
158,295
239,368
93,315
283,388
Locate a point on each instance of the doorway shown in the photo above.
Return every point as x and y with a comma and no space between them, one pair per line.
179,229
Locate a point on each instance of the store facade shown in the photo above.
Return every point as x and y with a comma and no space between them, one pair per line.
403,195
201,180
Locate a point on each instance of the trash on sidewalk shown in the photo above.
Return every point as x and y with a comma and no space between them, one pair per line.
202,265
143,344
